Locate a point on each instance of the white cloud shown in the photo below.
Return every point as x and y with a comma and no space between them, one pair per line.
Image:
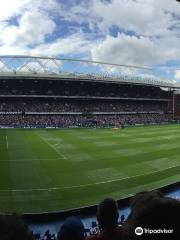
145,17
12,50
69,46
10,8
74,44
35,22
156,23
24,23
32,29
125,49
13,8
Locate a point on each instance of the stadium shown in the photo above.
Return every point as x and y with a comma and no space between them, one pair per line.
89,120
71,138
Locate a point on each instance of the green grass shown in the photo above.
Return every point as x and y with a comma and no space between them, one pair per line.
52,170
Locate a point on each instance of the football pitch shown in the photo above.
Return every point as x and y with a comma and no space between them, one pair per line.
44,170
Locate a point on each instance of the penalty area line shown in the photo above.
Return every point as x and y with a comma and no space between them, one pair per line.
54,148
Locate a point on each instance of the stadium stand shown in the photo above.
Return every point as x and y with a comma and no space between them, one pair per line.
79,88
65,103
62,106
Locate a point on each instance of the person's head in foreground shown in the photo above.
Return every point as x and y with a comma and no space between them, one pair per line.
158,218
142,198
107,214
12,227
72,229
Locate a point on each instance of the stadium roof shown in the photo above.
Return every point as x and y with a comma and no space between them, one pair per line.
60,68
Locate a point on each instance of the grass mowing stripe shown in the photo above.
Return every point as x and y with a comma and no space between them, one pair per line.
92,184
133,166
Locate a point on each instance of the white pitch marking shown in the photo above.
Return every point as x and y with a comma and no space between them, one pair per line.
85,185
29,160
7,144
52,146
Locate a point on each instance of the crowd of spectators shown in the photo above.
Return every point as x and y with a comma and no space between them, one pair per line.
80,88
152,217
76,104
63,113
98,121
39,105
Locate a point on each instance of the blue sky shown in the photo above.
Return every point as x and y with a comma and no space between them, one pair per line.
135,32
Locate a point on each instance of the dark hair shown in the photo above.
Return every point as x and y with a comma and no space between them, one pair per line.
160,213
107,213
72,229
141,198
12,227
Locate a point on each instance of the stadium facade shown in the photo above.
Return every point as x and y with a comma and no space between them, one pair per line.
50,92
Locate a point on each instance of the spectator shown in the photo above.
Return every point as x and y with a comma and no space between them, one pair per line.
13,120
72,229
107,215
47,235
122,219
157,214
12,227
142,198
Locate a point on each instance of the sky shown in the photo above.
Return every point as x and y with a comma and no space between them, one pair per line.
133,32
